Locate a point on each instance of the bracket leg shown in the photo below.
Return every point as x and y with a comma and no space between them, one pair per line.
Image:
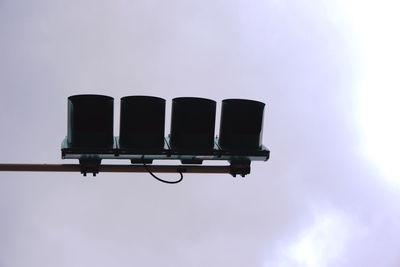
241,167
90,166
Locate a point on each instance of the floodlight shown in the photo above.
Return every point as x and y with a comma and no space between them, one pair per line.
142,122
192,124
241,125
90,121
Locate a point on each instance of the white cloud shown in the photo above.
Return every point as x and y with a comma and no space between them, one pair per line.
324,243
376,33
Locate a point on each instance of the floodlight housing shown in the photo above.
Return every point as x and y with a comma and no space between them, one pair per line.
241,125
192,124
191,140
90,121
142,123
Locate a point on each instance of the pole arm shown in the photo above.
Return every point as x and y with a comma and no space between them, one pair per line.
12,167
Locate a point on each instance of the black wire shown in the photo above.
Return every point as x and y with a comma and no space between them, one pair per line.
162,180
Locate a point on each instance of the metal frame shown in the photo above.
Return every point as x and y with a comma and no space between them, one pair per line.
167,153
90,158
90,161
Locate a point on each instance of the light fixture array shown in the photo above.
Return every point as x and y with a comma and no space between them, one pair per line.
141,139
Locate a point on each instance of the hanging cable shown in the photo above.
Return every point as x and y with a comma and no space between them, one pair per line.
162,180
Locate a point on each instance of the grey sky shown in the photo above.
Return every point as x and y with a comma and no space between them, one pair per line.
319,201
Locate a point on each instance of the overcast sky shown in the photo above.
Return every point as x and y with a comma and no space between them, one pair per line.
325,69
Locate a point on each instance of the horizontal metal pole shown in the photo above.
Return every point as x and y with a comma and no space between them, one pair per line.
114,168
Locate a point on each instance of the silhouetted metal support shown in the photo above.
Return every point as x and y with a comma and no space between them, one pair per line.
115,168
